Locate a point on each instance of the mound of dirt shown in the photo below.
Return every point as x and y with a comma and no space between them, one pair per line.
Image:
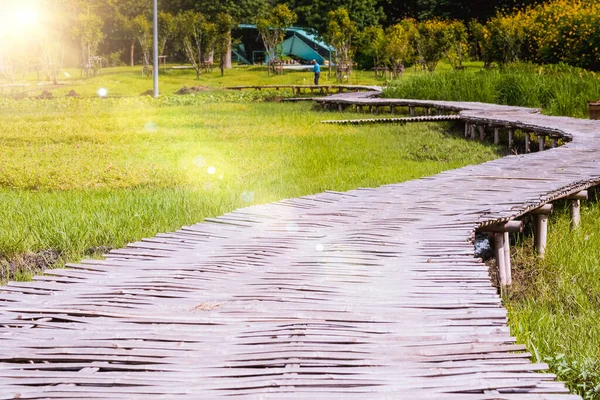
192,90
28,263
72,93
46,95
148,92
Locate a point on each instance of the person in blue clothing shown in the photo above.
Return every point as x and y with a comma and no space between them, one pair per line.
317,71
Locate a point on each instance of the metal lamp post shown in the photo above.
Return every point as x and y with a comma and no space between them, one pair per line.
155,49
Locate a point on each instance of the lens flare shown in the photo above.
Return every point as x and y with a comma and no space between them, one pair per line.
102,92
211,170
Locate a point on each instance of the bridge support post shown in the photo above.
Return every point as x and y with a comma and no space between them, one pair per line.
481,129
473,129
502,248
575,206
507,263
467,126
527,142
411,111
511,137
541,228
496,135
542,140
392,109
499,244
554,143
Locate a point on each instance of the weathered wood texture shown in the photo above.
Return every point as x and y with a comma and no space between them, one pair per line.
368,294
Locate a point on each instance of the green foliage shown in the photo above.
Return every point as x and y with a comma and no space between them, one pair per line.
459,43
341,32
373,41
141,29
271,28
399,47
167,29
223,25
193,28
507,34
481,47
558,90
87,30
554,306
433,42
315,13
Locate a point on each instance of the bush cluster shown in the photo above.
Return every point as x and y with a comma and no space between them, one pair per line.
557,89
559,31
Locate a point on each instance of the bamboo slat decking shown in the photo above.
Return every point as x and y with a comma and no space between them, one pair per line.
368,294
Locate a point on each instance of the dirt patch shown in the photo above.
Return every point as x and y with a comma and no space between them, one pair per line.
27,264
192,90
148,92
46,95
72,93
97,251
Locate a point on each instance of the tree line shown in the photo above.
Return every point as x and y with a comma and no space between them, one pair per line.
385,34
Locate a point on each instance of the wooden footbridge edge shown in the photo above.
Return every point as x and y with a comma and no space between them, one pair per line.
368,294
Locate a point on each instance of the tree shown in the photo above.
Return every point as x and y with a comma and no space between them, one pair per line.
117,15
142,31
433,41
192,26
508,36
373,42
167,28
87,30
482,47
399,45
458,43
272,30
243,11
224,23
52,40
315,13
341,31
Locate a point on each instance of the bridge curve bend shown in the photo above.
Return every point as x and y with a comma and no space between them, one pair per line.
367,294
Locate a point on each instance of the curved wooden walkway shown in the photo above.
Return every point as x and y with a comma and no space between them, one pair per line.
368,294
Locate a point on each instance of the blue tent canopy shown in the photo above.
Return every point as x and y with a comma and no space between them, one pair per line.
298,43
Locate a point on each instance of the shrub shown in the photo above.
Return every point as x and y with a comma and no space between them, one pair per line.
433,42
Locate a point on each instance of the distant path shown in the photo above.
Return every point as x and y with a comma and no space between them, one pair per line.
367,294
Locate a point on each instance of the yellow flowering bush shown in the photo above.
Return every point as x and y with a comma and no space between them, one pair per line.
565,31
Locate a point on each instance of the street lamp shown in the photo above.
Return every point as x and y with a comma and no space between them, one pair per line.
155,49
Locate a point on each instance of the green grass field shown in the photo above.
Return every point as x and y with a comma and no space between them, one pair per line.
78,176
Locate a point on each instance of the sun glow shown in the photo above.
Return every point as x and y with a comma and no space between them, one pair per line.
17,17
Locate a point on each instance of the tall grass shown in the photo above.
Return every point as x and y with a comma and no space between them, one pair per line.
82,174
554,307
557,89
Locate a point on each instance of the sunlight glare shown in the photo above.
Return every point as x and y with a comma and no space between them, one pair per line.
211,170
102,92
16,17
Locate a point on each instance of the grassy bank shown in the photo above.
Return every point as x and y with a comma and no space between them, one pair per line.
79,176
558,90
554,307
